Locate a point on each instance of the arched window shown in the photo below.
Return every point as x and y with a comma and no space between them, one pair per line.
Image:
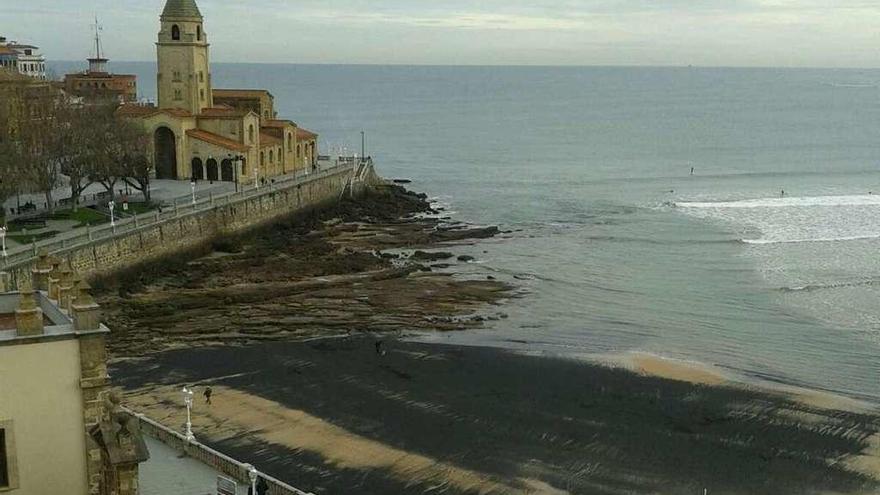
271,156
299,150
175,32
289,142
262,158
199,33
251,134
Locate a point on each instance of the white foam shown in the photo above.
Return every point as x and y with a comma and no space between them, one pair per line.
789,202
788,220
824,239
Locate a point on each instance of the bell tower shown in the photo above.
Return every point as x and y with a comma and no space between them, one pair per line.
184,78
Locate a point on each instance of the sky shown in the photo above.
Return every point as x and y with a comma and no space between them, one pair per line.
761,33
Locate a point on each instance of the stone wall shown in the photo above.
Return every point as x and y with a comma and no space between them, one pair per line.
234,213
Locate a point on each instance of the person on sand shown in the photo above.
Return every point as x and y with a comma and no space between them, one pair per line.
208,393
782,194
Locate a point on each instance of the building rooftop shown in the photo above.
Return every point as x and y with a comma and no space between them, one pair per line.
57,324
216,140
269,140
181,8
241,93
276,123
305,134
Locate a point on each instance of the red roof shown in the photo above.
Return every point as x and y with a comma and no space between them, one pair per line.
269,140
134,110
223,112
278,123
216,140
305,134
241,93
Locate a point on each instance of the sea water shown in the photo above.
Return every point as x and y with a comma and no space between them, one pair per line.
764,261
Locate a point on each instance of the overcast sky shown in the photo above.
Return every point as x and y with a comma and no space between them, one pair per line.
812,33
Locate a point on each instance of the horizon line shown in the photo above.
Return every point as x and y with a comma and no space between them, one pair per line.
609,66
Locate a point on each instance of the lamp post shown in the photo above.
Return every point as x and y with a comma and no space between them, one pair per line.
256,178
3,240
112,205
192,185
252,476
188,400
236,166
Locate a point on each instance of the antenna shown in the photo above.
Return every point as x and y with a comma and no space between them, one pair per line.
98,29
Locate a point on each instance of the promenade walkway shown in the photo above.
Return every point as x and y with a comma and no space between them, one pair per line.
177,207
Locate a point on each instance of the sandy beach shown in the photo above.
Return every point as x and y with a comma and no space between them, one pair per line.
334,416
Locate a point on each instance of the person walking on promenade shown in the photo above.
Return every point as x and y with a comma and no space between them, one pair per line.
208,393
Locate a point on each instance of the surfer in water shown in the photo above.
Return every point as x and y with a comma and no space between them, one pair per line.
782,194
692,170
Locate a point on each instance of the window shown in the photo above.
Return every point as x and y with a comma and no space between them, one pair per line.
8,471
199,33
289,142
201,76
202,94
4,469
178,95
251,134
262,158
271,156
175,33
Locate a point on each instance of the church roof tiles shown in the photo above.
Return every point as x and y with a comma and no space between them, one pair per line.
216,140
241,93
304,134
269,140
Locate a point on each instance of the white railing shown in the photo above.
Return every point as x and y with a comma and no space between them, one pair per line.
84,236
217,460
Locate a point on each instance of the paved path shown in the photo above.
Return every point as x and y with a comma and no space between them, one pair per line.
167,473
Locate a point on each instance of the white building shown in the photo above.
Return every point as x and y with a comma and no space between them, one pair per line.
25,59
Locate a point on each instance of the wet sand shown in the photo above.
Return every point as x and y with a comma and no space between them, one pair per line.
333,416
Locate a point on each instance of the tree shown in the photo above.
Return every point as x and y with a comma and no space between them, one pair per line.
77,166
136,165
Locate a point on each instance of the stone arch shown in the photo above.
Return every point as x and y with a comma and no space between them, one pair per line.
175,32
226,170
211,166
165,153
198,171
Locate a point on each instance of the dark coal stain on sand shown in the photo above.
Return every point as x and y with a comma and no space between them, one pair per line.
576,426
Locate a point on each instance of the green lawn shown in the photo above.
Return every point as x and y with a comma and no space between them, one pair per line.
83,216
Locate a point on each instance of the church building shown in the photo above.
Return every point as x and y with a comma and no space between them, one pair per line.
213,134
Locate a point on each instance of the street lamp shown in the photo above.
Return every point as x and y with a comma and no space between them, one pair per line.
256,178
112,205
236,166
192,185
188,400
3,239
252,475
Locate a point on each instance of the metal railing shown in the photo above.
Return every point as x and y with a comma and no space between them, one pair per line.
84,236
217,460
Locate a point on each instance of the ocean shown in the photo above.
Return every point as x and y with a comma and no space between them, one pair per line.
762,262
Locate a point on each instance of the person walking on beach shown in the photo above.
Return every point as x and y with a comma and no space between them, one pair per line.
782,194
208,393
692,170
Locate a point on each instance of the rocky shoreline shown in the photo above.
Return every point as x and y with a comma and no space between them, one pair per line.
365,266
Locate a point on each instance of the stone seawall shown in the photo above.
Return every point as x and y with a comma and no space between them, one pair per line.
234,213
